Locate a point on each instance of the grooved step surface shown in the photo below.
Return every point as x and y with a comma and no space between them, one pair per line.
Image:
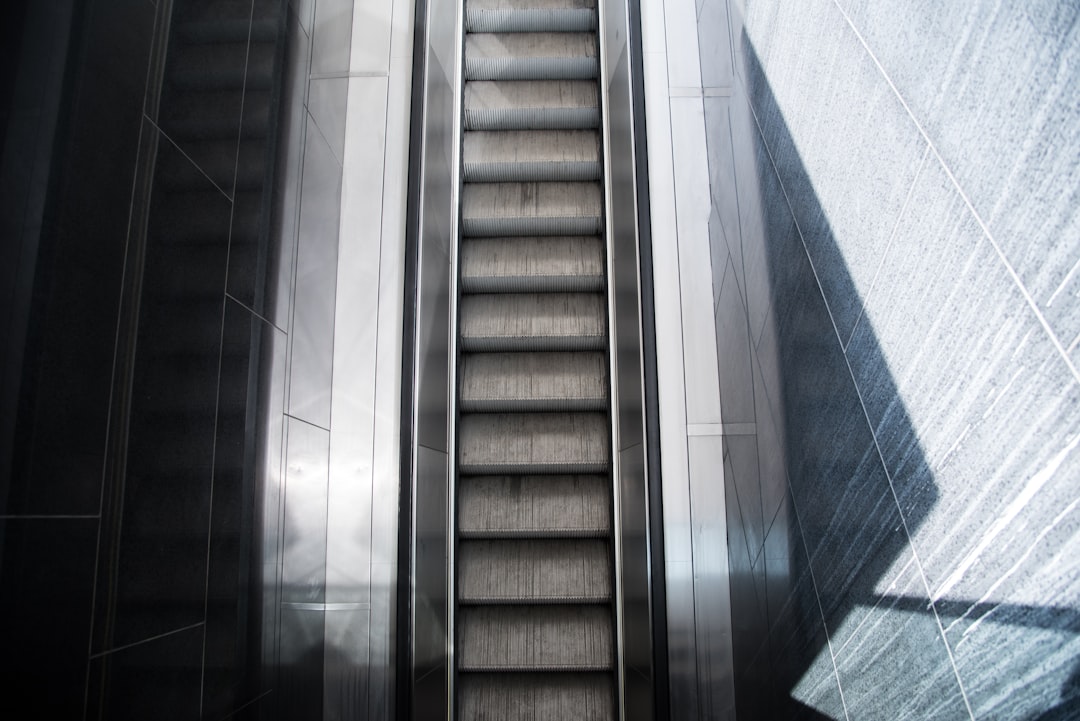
516,16
531,104
538,637
493,209
532,264
531,56
534,155
537,264
534,571
532,697
533,322
533,382
501,443
533,497
533,505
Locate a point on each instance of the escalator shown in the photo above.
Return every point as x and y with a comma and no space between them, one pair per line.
534,560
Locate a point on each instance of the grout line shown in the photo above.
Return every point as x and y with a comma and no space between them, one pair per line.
888,245
817,597
907,533
967,201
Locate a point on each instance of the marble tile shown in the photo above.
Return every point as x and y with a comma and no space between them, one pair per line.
989,84
800,657
846,194
980,368
892,660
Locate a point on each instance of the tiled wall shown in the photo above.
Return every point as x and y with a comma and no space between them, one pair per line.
182,517
894,242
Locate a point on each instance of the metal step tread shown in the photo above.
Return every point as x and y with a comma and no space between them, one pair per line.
533,443
495,209
539,264
535,697
493,156
533,322
528,571
492,382
531,104
531,56
561,637
517,16
508,506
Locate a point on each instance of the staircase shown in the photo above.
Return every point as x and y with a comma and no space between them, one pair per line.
534,574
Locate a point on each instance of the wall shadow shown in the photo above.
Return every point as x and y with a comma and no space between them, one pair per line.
833,597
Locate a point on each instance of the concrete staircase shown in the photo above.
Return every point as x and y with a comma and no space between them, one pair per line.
535,616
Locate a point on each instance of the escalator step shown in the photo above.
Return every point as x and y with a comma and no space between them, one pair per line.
515,16
534,506
521,382
536,638
494,209
544,264
531,56
534,571
531,155
535,697
533,322
535,104
502,443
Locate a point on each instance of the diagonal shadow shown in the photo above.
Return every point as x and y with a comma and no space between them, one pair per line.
835,598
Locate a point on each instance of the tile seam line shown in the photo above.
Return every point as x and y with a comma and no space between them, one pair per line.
911,543
888,246
967,201
817,599
873,435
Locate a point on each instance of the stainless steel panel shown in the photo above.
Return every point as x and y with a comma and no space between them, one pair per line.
306,476
381,639
332,34
345,663
632,520
712,604
431,640
312,329
637,620
327,99
682,644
